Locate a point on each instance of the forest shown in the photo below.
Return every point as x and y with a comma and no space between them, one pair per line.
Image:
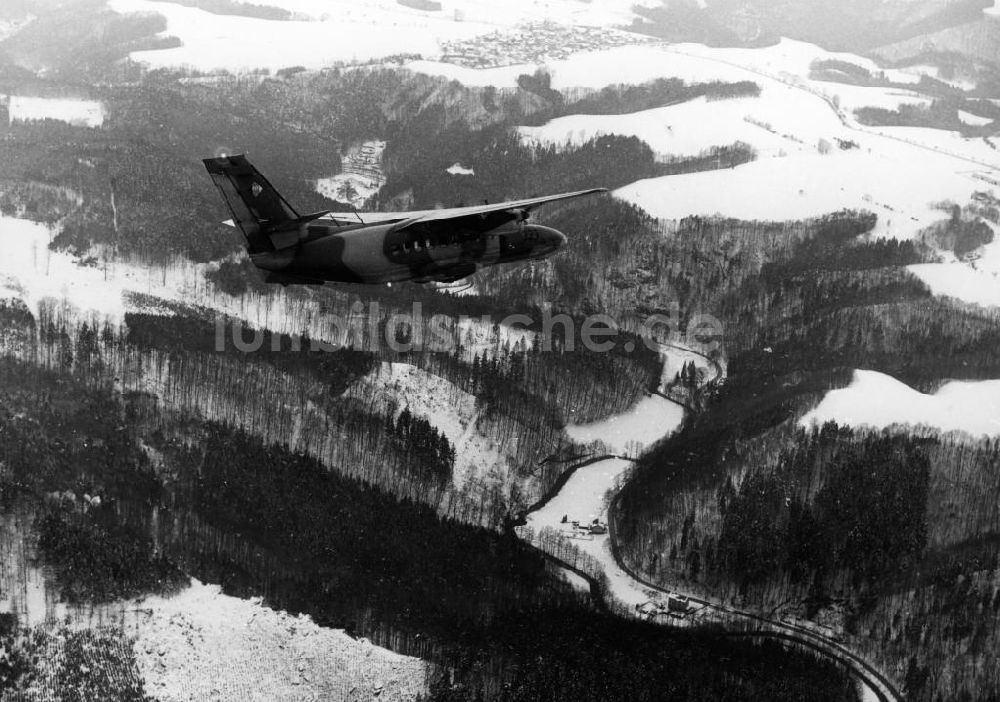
162,208
278,524
844,526
853,26
887,536
146,158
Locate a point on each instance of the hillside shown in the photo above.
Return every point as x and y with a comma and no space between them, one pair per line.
855,26
803,446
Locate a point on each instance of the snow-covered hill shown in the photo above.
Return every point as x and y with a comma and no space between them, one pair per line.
203,644
323,32
813,157
877,400
88,113
450,409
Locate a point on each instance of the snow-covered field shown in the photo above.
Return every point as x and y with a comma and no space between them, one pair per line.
878,400
583,497
678,130
976,281
589,69
809,185
649,420
22,108
102,292
352,32
201,644
32,272
895,172
324,32
853,97
961,281
973,120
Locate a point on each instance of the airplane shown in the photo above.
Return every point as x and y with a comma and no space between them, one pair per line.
443,245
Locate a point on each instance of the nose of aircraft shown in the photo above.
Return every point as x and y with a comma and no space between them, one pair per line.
547,239
554,237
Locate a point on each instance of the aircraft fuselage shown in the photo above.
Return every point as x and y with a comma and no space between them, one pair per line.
379,253
378,247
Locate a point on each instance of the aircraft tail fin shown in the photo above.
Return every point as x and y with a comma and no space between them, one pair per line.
257,208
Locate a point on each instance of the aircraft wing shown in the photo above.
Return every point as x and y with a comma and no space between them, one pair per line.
415,216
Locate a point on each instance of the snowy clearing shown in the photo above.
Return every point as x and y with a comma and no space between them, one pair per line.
32,272
899,191
976,281
85,113
878,400
973,120
354,33
649,420
102,292
687,129
854,97
959,280
583,497
201,644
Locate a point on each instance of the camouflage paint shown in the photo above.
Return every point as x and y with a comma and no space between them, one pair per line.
441,245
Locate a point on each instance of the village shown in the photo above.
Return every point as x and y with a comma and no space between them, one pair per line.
532,43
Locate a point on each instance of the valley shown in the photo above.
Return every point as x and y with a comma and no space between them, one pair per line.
786,492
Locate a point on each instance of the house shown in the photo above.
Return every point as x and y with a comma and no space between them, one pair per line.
677,603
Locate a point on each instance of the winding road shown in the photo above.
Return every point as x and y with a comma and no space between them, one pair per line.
579,495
